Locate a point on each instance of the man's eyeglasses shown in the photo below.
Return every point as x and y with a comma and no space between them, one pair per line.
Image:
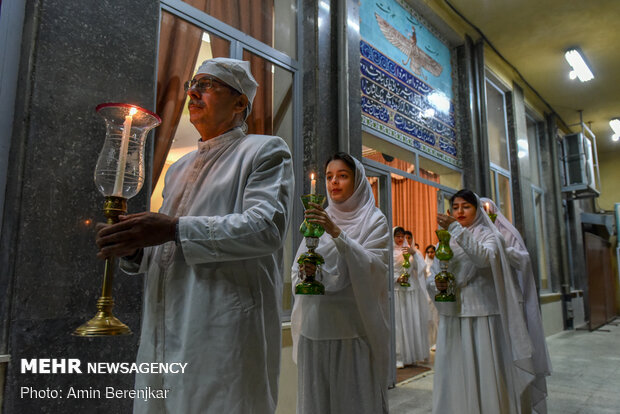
202,84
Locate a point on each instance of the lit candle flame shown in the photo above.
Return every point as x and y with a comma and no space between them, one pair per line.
120,169
312,184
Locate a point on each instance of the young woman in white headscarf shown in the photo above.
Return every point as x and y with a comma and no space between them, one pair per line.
341,339
483,360
410,304
519,258
433,319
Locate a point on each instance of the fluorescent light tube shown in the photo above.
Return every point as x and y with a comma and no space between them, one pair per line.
573,57
615,125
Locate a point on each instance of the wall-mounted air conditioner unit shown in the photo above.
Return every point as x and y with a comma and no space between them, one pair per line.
578,163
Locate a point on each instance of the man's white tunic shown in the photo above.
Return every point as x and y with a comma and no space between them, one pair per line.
214,300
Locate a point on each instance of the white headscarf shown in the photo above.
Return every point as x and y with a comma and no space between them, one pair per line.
517,254
508,297
397,252
366,234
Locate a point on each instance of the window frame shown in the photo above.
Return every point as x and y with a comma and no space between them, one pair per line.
240,41
491,79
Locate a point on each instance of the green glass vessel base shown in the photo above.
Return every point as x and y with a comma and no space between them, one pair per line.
310,288
444,297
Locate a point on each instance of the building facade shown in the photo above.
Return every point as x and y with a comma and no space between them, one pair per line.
335,75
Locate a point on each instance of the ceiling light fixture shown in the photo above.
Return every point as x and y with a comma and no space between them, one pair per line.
580,67
615,125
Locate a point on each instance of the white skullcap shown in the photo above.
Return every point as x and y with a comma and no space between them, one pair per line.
233,72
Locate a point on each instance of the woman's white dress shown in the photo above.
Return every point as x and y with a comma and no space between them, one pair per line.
411,313
433,318
481,366
341,339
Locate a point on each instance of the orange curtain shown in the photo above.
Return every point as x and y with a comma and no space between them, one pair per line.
414,204
179,43
254,18
374,185
414,207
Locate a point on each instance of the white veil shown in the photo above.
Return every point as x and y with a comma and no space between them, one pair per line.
366,258
519,258
508,299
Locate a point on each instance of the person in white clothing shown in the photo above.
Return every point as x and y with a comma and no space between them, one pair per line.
429,256
341,339
519,258
433,320
213,257
410,304
483,361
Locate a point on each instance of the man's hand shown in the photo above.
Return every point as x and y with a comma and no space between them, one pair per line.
133,232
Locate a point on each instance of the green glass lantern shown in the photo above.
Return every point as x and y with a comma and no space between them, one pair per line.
403,279
310,262
444,254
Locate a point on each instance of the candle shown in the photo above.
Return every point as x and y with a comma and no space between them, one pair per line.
312,184
122,156
486,207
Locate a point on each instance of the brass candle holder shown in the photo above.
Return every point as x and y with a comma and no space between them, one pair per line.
104,323
310,262
119,175
403,279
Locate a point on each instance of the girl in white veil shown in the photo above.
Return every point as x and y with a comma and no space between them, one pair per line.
341,339
433,318
410,304
483,360
519,258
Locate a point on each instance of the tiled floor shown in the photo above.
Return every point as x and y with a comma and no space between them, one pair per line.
585,379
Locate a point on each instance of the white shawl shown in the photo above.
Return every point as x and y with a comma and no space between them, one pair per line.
357,261
508,297
519,258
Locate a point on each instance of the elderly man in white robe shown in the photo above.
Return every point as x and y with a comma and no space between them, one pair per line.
213,257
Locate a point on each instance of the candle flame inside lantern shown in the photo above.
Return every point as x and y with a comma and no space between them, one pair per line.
312,184
120,169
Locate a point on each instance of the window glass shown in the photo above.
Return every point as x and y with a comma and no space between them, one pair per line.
386,153
272,114
505,198
493,187
541,242
184,46
532,138
414,207
447,176
496,124
175,67
273,22
272,110
375,185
